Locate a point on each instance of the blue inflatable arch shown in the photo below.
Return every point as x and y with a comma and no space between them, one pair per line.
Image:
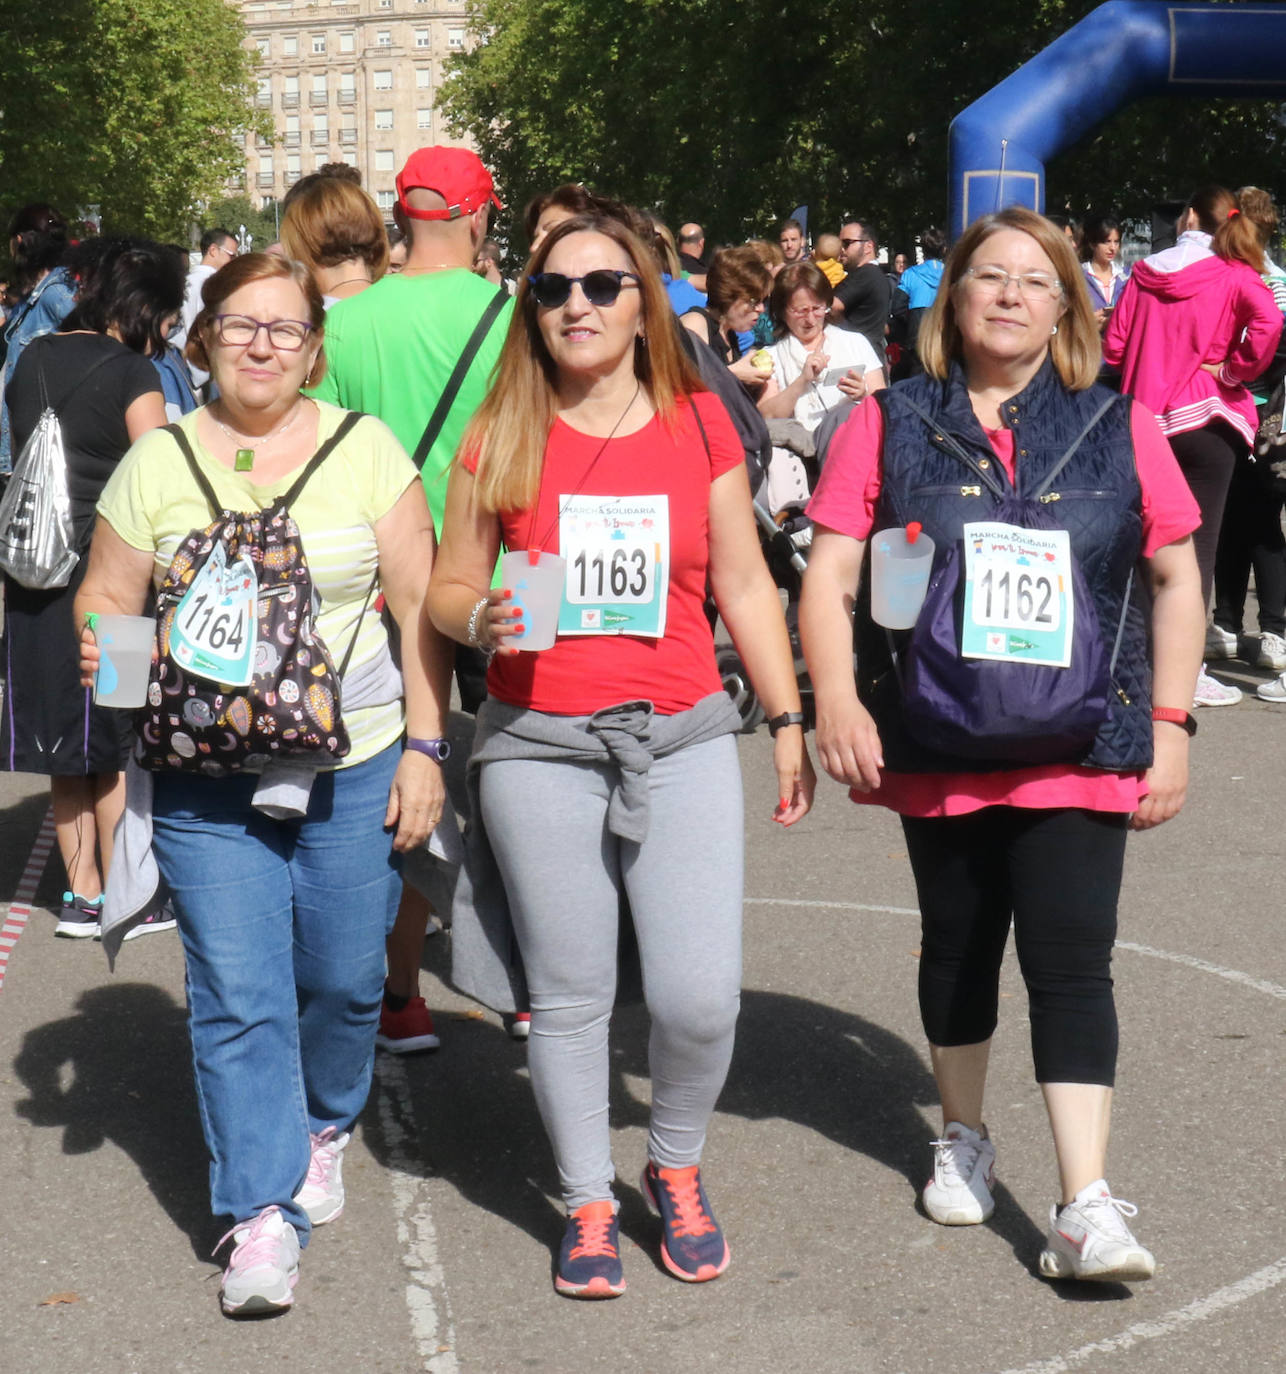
1122,51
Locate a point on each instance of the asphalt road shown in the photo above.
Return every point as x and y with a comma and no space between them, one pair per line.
442,1260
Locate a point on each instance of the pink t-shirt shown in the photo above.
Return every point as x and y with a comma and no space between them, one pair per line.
845,502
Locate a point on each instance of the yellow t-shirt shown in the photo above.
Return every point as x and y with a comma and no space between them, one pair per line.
152,502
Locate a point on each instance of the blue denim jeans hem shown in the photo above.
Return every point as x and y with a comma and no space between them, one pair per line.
283,926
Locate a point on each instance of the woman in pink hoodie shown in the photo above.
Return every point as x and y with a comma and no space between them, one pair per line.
1194,323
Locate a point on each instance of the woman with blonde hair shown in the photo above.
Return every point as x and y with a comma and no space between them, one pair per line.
1194,324
335,229
1002,825
605,767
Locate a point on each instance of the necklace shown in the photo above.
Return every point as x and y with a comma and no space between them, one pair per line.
433,267
244,461
347,282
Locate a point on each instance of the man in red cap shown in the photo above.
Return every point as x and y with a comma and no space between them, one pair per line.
391,351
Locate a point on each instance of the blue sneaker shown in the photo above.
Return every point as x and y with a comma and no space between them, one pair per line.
693,1247
589,1261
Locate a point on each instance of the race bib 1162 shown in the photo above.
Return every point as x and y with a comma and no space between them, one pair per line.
1018,594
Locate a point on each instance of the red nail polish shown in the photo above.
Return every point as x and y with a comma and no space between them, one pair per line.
784,803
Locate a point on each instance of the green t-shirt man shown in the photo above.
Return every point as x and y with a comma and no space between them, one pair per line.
391,348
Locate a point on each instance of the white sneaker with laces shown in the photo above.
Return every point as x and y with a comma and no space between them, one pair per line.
1220,643
1212,693
1272,652
322,1195
964,1170
1089,1239
1272,691
263,1267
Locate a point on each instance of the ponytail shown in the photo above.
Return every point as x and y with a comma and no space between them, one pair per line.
1238,239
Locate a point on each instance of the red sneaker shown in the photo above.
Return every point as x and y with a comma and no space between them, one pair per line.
408,1030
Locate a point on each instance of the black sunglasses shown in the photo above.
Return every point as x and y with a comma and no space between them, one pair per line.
601,287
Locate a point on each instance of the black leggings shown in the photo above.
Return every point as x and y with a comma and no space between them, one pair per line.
1251,535
1206,458
1058,874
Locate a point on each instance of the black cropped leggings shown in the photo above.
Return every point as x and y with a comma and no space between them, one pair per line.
1057,873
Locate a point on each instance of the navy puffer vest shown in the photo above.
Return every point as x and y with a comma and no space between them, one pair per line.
1096,498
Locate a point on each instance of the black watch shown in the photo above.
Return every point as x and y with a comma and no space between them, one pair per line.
786,718
439,750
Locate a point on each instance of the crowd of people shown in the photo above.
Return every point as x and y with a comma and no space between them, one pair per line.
337,440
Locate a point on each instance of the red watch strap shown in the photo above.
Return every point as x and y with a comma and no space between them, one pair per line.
1176,715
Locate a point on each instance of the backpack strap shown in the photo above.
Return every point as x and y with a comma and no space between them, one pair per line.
1076,443
952,443
696,415
456,379
181,439
75,386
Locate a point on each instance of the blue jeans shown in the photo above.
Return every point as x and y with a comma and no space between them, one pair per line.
283,926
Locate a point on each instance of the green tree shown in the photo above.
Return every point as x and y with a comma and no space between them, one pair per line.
235,211
731,112
138,107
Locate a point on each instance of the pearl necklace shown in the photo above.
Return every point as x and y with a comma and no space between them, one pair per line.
244,461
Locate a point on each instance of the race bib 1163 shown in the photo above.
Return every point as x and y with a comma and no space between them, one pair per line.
618,565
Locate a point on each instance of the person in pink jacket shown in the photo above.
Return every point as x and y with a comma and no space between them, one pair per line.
1194,323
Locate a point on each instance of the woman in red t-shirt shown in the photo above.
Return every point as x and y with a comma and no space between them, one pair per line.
606,767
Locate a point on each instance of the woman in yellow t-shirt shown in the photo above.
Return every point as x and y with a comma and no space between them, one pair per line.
284,920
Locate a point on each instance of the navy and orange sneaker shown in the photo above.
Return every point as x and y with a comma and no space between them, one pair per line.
589,1261
693,1247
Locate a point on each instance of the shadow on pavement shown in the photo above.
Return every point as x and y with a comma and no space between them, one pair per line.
120,1071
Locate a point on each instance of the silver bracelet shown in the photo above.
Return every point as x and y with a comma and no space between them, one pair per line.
471,631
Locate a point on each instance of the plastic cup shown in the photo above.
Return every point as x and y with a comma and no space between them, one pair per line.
125,659
536,580
900,569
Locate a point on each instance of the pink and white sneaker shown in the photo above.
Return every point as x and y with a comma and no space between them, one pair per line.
263,1267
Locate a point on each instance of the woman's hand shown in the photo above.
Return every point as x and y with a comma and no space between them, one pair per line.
814,365
415,800
796,781
848,745
745,371
1167,779
853,385
499,620
1214,369
90,656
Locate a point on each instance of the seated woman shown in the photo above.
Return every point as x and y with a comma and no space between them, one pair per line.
606,765
283,917
736,286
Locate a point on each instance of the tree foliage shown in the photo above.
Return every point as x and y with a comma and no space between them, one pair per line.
731,112
139,107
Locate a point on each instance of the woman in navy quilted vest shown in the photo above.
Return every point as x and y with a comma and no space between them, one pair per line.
1063,557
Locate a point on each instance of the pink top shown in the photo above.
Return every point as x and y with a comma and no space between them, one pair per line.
845,502
1183,308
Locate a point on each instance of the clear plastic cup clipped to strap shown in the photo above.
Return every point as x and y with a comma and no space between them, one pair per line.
901,560
536,580
125,659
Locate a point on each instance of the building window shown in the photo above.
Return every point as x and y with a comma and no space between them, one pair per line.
347,42
320,160
384,199
383,38
290,45
292,131
319,43
423,118
455,39
263,93
386,4
383,81
265,163
350,158
421,38
383,119
423,78
293,166
384,159
264,46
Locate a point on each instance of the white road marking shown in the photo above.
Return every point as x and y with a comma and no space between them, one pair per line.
427,1301
1204,966
833,906
19,913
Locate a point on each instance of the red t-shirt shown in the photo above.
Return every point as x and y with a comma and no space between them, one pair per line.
581,675
845,501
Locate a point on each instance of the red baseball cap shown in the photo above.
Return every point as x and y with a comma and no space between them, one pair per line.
456,174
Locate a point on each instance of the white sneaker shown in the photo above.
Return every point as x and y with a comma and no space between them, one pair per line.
1212,693
1220,643
263,1267
1089,1239
1272,691
1271,652
322,1195
964,1170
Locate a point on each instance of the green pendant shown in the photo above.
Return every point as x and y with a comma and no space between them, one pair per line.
244,461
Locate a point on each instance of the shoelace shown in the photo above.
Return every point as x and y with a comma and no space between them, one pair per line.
955,1158
592,1237
256,1248
692,1219
1113,1212
321,1160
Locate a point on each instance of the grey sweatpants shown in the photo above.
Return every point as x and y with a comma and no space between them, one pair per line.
564,872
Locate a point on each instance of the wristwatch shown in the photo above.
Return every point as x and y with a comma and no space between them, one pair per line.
439,750
1176,715
786,718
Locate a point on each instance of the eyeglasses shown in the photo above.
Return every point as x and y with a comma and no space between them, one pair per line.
223,248
600,287
848,243
1034,286
239,331
803,310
